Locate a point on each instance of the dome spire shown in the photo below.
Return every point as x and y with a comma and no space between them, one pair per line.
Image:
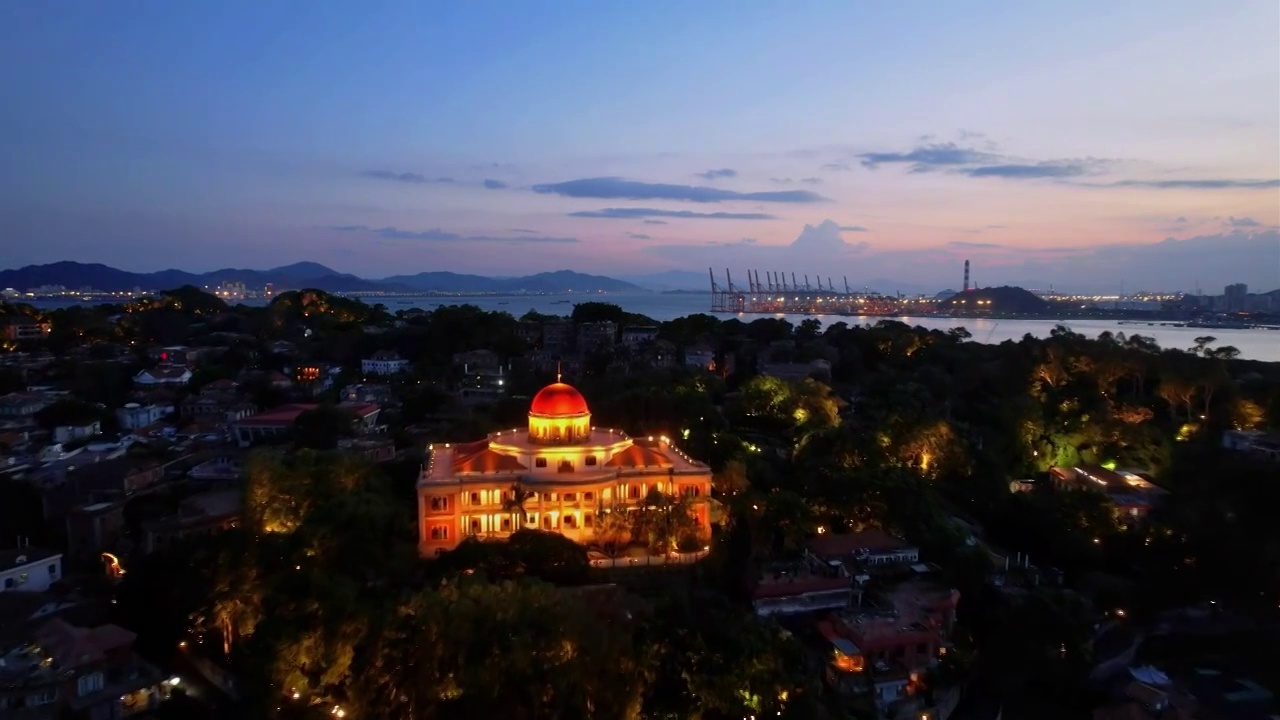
557,371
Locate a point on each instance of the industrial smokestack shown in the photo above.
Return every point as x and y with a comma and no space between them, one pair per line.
966,276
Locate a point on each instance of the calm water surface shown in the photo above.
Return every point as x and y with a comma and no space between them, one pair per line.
1253,344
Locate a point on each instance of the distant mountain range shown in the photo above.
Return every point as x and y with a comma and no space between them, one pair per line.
74,276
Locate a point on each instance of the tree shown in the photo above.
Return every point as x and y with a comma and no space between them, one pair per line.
323,427
513,502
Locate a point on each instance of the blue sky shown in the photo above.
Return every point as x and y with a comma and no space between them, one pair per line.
1041,138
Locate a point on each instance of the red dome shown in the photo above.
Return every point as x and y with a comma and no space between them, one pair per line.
558,399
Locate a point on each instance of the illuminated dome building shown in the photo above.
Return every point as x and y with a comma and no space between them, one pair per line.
569,471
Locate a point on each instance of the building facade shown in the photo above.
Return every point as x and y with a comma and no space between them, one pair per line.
29,569
566,473
384,362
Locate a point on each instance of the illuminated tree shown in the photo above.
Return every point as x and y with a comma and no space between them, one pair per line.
513,502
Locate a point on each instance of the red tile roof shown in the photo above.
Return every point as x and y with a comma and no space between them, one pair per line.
638,456
872,539
73,646
288,414
487,461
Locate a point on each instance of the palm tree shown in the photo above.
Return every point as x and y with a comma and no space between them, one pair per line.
514,502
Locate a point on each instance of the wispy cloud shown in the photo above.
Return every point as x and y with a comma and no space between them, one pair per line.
637,213
811,180
438,235
523,230
1244,222
404,177
1215,184
638,236
927,158
1050,169
853,228
963,245
613,188
494,184
780,181
836,167
717,174
655,222
951,157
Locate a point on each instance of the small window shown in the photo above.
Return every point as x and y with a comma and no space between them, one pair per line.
475,498
88,684
587,519
439,504
546,522
569,522
540,462
53,570
22,579
548,497
565,466
506,524
633,491
588,496
569,497
440,532
591,460
8,583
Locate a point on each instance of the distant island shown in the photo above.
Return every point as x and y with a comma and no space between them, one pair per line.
74,276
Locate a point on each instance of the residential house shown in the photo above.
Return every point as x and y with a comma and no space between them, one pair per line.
24,404
163,375
20,328
278,421
221,469
175,355
94,528
370,393
1258,443
315,379
801,587
82,480
819,369
484,377
530,332
557,335
700,356
867,548
29,569
67,433
384,362
1131,496
134,415
62,670
372,449
637,335
200,514
597,336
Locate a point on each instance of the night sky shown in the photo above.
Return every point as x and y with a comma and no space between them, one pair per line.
1081,144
